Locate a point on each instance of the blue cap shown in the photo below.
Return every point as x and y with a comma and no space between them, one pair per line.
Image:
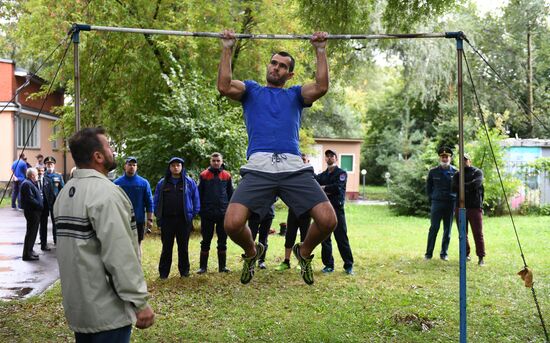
176,159
131,159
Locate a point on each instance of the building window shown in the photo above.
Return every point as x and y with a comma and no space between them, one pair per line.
346,163
25,131
54,140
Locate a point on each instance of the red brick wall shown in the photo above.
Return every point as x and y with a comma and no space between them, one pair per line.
54,99
7,81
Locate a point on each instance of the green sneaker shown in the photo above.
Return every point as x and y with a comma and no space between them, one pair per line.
282,266
305,264
249,262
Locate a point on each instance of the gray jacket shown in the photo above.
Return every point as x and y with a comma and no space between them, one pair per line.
102,281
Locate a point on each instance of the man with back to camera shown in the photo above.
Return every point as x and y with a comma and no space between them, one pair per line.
138,190
19,170
333,181
215,190
102,283
442,202
272,116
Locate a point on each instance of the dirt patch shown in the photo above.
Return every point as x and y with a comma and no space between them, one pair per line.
422,323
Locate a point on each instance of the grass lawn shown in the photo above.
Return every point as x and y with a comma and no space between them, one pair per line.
374,192
395,296
6,202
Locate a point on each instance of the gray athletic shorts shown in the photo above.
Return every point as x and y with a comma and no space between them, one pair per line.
267,176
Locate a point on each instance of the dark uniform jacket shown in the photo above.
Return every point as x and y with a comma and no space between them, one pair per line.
473,187
48,192
31,199
215,191
57,181
335,185
438,184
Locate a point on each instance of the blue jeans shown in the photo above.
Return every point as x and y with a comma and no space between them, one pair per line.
120,335
440,210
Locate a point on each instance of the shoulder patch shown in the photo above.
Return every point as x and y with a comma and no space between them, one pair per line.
71,192
343,177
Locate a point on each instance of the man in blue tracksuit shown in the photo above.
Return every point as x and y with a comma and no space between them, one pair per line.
138,190
176,202
442,200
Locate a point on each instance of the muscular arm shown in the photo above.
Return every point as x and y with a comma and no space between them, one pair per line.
233,89
313,91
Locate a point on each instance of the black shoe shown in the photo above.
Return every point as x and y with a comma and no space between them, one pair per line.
201,271
45,248
262,265
31,258
224,270
445,258
184,274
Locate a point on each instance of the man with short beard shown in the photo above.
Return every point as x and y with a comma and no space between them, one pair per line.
102,283
442,201
272,115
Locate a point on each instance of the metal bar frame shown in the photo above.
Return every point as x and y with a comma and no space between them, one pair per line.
458,36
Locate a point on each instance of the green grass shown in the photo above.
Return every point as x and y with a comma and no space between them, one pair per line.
6,202
392,294
374,192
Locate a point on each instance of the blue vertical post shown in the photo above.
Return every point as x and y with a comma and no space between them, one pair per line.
462,210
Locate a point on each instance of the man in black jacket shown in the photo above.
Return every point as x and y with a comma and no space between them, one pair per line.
333,181
32,203
215,190
45,185
473,201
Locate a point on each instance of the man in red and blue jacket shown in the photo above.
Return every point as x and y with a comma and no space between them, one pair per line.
176,202
215,190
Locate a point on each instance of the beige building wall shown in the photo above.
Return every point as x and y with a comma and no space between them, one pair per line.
342,147
6,144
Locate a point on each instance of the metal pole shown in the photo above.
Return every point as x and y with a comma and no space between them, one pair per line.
86,27
76,40
364,175
462,210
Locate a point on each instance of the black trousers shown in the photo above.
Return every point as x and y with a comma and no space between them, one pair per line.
54,228
294,223
208,226
341,236
44,226
174,227
33,221
262,227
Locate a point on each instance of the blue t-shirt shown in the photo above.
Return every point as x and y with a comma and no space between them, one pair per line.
139,192
272,117
19,168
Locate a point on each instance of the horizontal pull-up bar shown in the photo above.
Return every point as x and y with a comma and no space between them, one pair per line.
84,27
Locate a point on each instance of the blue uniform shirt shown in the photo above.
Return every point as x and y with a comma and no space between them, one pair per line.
272,117
139,192
19,168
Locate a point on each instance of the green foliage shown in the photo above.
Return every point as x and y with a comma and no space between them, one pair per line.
408,187
192,122
480,151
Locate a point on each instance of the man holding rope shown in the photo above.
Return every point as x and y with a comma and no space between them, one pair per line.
272,115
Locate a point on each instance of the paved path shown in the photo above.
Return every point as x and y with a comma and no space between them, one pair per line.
20,279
